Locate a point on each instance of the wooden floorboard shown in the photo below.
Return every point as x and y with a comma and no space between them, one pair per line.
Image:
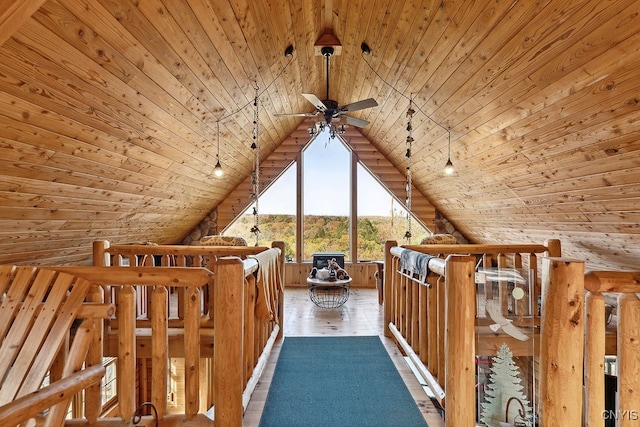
360,315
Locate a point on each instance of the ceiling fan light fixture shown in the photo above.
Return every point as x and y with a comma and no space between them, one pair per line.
328,110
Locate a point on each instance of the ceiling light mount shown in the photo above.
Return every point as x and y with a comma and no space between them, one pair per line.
327,51
366,50
327,40
288,52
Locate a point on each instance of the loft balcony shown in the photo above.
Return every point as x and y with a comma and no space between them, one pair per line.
210,314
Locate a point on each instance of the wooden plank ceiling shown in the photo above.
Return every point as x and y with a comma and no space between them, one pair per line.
109,111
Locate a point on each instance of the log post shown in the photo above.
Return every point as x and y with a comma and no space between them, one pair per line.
402,305
253,335
415,315
432,325
126,314
159,346
100,256
554,248
441,288
388,289
562,342
423,324
594,359
227,349
628,409
93,395
192,350
460,300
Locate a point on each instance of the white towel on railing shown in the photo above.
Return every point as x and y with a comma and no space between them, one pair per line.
269,284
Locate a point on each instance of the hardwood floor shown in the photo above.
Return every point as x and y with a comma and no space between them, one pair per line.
360,315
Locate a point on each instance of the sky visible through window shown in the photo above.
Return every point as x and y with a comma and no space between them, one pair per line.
327,186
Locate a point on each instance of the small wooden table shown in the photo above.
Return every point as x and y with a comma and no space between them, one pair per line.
328,293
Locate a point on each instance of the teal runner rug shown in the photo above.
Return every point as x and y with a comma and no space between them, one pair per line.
338,381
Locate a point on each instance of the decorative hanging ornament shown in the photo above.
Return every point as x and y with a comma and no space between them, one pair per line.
255,145
409,141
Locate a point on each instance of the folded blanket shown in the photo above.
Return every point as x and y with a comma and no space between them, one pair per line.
413,262
269,284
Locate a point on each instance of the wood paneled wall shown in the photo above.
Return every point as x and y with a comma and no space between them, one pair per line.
362,274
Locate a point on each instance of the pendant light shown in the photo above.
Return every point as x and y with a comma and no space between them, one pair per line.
217,170
448,168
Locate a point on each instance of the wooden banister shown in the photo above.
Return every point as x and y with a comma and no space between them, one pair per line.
217,320
627,348
161,276
420,315
37,323
612,281
32,404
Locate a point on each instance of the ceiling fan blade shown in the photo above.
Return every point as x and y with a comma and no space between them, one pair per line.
295,114
356,122
315,101
360,105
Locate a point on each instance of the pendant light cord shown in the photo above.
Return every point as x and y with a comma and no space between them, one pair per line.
409,99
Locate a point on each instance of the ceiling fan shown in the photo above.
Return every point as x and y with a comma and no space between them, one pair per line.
330,110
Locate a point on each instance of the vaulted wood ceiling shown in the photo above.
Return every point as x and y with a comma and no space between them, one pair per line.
109,112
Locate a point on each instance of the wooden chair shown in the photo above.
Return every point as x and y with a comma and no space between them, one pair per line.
41,311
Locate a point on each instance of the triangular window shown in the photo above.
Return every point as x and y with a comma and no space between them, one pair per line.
326,207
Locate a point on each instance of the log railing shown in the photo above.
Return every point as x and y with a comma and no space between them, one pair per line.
47,326
164,311
439,337
625,286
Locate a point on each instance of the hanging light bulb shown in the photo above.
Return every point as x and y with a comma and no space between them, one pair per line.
448,168
217,169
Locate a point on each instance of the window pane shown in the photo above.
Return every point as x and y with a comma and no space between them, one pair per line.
327,197
276,215
109,381
381,217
